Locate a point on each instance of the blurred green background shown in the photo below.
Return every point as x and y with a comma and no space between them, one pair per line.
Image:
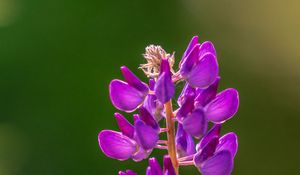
58,56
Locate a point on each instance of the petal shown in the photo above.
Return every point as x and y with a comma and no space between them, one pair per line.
195,124
168,166
219,164
164,88
149,120
208,151
184,143
191,45
212,133
190,61
133,80
124,97
141,154
122,173
125,127
207,47
223,107
155,167
205,72
148,171
186,91
146,136
186,108
116,145
204,96
228,142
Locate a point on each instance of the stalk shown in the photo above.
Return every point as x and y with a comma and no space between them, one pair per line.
170,124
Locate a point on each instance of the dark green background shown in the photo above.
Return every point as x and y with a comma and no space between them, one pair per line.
58,56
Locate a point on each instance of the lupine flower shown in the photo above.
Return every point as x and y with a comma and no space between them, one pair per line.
127,96
199,104
215,155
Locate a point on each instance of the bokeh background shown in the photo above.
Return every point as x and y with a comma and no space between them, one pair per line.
57,58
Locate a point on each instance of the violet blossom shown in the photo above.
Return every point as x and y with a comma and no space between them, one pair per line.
199,103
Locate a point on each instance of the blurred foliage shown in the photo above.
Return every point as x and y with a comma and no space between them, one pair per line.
58,56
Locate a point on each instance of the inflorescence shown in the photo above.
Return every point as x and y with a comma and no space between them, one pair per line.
189,141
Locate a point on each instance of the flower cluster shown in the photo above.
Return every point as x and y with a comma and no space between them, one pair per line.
189,141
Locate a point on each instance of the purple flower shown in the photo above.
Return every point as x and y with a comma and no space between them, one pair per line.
199,66
198,104
155,169
164,87
134,142
215,155
127,96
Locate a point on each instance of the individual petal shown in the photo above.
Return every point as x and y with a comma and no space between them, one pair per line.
207,151
124,97
116,145
212,133
220,164
186,91
191,45
148,171
164,88
191,59
168,166
207,47
141,154
130,172
125,127
122,173
133,80
228,142
146,136
152,104
155,167
184,143
146,117
223,107
205,72
195,124
136,117
204,96
186,108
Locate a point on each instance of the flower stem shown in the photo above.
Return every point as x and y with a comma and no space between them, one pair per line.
171,134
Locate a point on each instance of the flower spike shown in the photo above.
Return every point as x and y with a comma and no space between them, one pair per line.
198,107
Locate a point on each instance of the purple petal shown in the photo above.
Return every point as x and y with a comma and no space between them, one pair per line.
223,107
190,61
184,143
124,97
186,91
122,173
206,152
212,133
168,166
205,72
191,45
125,127
207,47
141,154
228,142
116,145
146,117
204,96
155,167
133,80
186,108
147,136
195,124
219,164
148,171
164,88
